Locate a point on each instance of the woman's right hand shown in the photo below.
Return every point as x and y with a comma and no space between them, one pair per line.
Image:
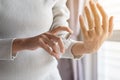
48,41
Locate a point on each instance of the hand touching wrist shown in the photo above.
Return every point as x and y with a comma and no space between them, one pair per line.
48,41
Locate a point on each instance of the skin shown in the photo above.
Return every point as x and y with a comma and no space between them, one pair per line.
47,41
93,38
98,31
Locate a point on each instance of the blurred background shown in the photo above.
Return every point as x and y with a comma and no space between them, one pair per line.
105,63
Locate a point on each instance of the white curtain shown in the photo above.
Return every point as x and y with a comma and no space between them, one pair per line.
73,69
76,8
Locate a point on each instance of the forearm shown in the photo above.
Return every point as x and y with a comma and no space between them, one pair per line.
22,44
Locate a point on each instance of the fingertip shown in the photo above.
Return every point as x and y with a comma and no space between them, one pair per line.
81,20
97,4
111,18
85,8
80,17
57,56
70,30
91,2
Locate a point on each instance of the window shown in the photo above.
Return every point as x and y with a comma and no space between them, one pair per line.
108,57
109,61
112,8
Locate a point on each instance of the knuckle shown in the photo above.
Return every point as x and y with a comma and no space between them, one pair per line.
105,32
58,39
46,34
40,40
99,32
54,45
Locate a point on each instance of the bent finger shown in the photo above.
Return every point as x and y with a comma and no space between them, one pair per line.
50,43
45,46
58,40
61,28
49,50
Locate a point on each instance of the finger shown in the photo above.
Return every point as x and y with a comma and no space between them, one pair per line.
91,30
89,18
50,43
96,17
110,25
56,56
83,28
91,33
49,50
61,28
45,46
56,39
61,45
104,18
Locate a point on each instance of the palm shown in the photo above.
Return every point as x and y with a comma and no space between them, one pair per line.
97,33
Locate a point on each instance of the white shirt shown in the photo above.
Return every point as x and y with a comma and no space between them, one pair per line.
26,18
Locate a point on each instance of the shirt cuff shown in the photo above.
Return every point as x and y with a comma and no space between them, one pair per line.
68,53
6,49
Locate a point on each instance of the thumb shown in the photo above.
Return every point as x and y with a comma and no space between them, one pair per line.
61,28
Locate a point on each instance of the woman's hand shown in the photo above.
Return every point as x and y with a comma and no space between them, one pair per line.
99,29
48,41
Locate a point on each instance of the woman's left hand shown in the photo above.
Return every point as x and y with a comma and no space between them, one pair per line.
99,29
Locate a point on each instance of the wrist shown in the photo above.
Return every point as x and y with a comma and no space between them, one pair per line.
78,49
17,45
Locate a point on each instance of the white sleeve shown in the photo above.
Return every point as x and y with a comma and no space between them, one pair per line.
60,14
6,49
68,53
